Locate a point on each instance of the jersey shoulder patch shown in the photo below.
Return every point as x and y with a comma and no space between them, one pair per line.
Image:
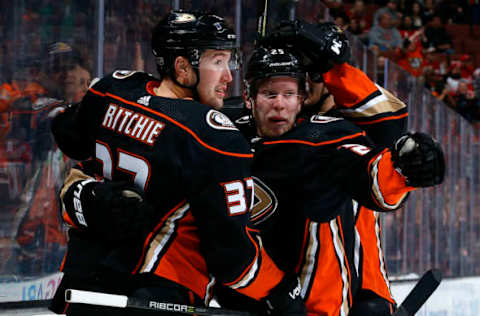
218,120
209,127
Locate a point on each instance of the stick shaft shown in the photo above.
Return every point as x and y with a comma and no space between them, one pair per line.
262,21
122,301
420,293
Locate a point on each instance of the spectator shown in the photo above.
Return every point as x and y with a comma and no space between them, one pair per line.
60,58
360,14
436,37
458,71
411,57
356,29
417,14
385,36
392,10
22,86
428,11
440,91
406,28
76,84
342,20
466,102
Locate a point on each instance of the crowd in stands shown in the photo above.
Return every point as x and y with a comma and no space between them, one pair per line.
436,41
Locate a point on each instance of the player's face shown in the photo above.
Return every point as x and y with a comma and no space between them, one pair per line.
276,106
215,76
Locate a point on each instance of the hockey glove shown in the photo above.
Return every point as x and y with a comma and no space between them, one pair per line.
285,299
419,158
114,211
320,45
372,307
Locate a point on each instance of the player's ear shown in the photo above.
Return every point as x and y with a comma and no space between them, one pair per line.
183,70
181,65
248,103
247,98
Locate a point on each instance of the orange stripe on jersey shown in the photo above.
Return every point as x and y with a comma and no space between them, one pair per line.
389,118
348,85
297,141
251,265
374,272
181,261
185,128
67,219
97,92
304,244
260,276
267,278
340,229
389,188
324,276
62,265
151,234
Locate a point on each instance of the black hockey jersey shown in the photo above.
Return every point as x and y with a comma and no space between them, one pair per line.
307,180
193,166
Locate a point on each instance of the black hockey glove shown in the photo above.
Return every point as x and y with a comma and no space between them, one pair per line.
372,307
419,158
320,45
285,299
114,211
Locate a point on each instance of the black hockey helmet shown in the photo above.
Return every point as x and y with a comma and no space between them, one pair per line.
188,34
272,62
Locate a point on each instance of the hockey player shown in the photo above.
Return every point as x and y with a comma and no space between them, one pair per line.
302,212
190,164
375,110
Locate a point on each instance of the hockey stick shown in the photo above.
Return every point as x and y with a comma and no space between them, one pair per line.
262,22
427,284
122,301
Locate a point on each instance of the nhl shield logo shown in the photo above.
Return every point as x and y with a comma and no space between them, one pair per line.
219,120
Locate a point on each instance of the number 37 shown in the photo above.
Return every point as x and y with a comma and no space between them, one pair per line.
130,163
139,168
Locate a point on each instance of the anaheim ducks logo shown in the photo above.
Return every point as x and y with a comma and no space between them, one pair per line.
243,120
265,203
219,120
122,74
184,18
323,119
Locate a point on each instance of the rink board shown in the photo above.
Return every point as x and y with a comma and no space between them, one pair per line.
458,296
